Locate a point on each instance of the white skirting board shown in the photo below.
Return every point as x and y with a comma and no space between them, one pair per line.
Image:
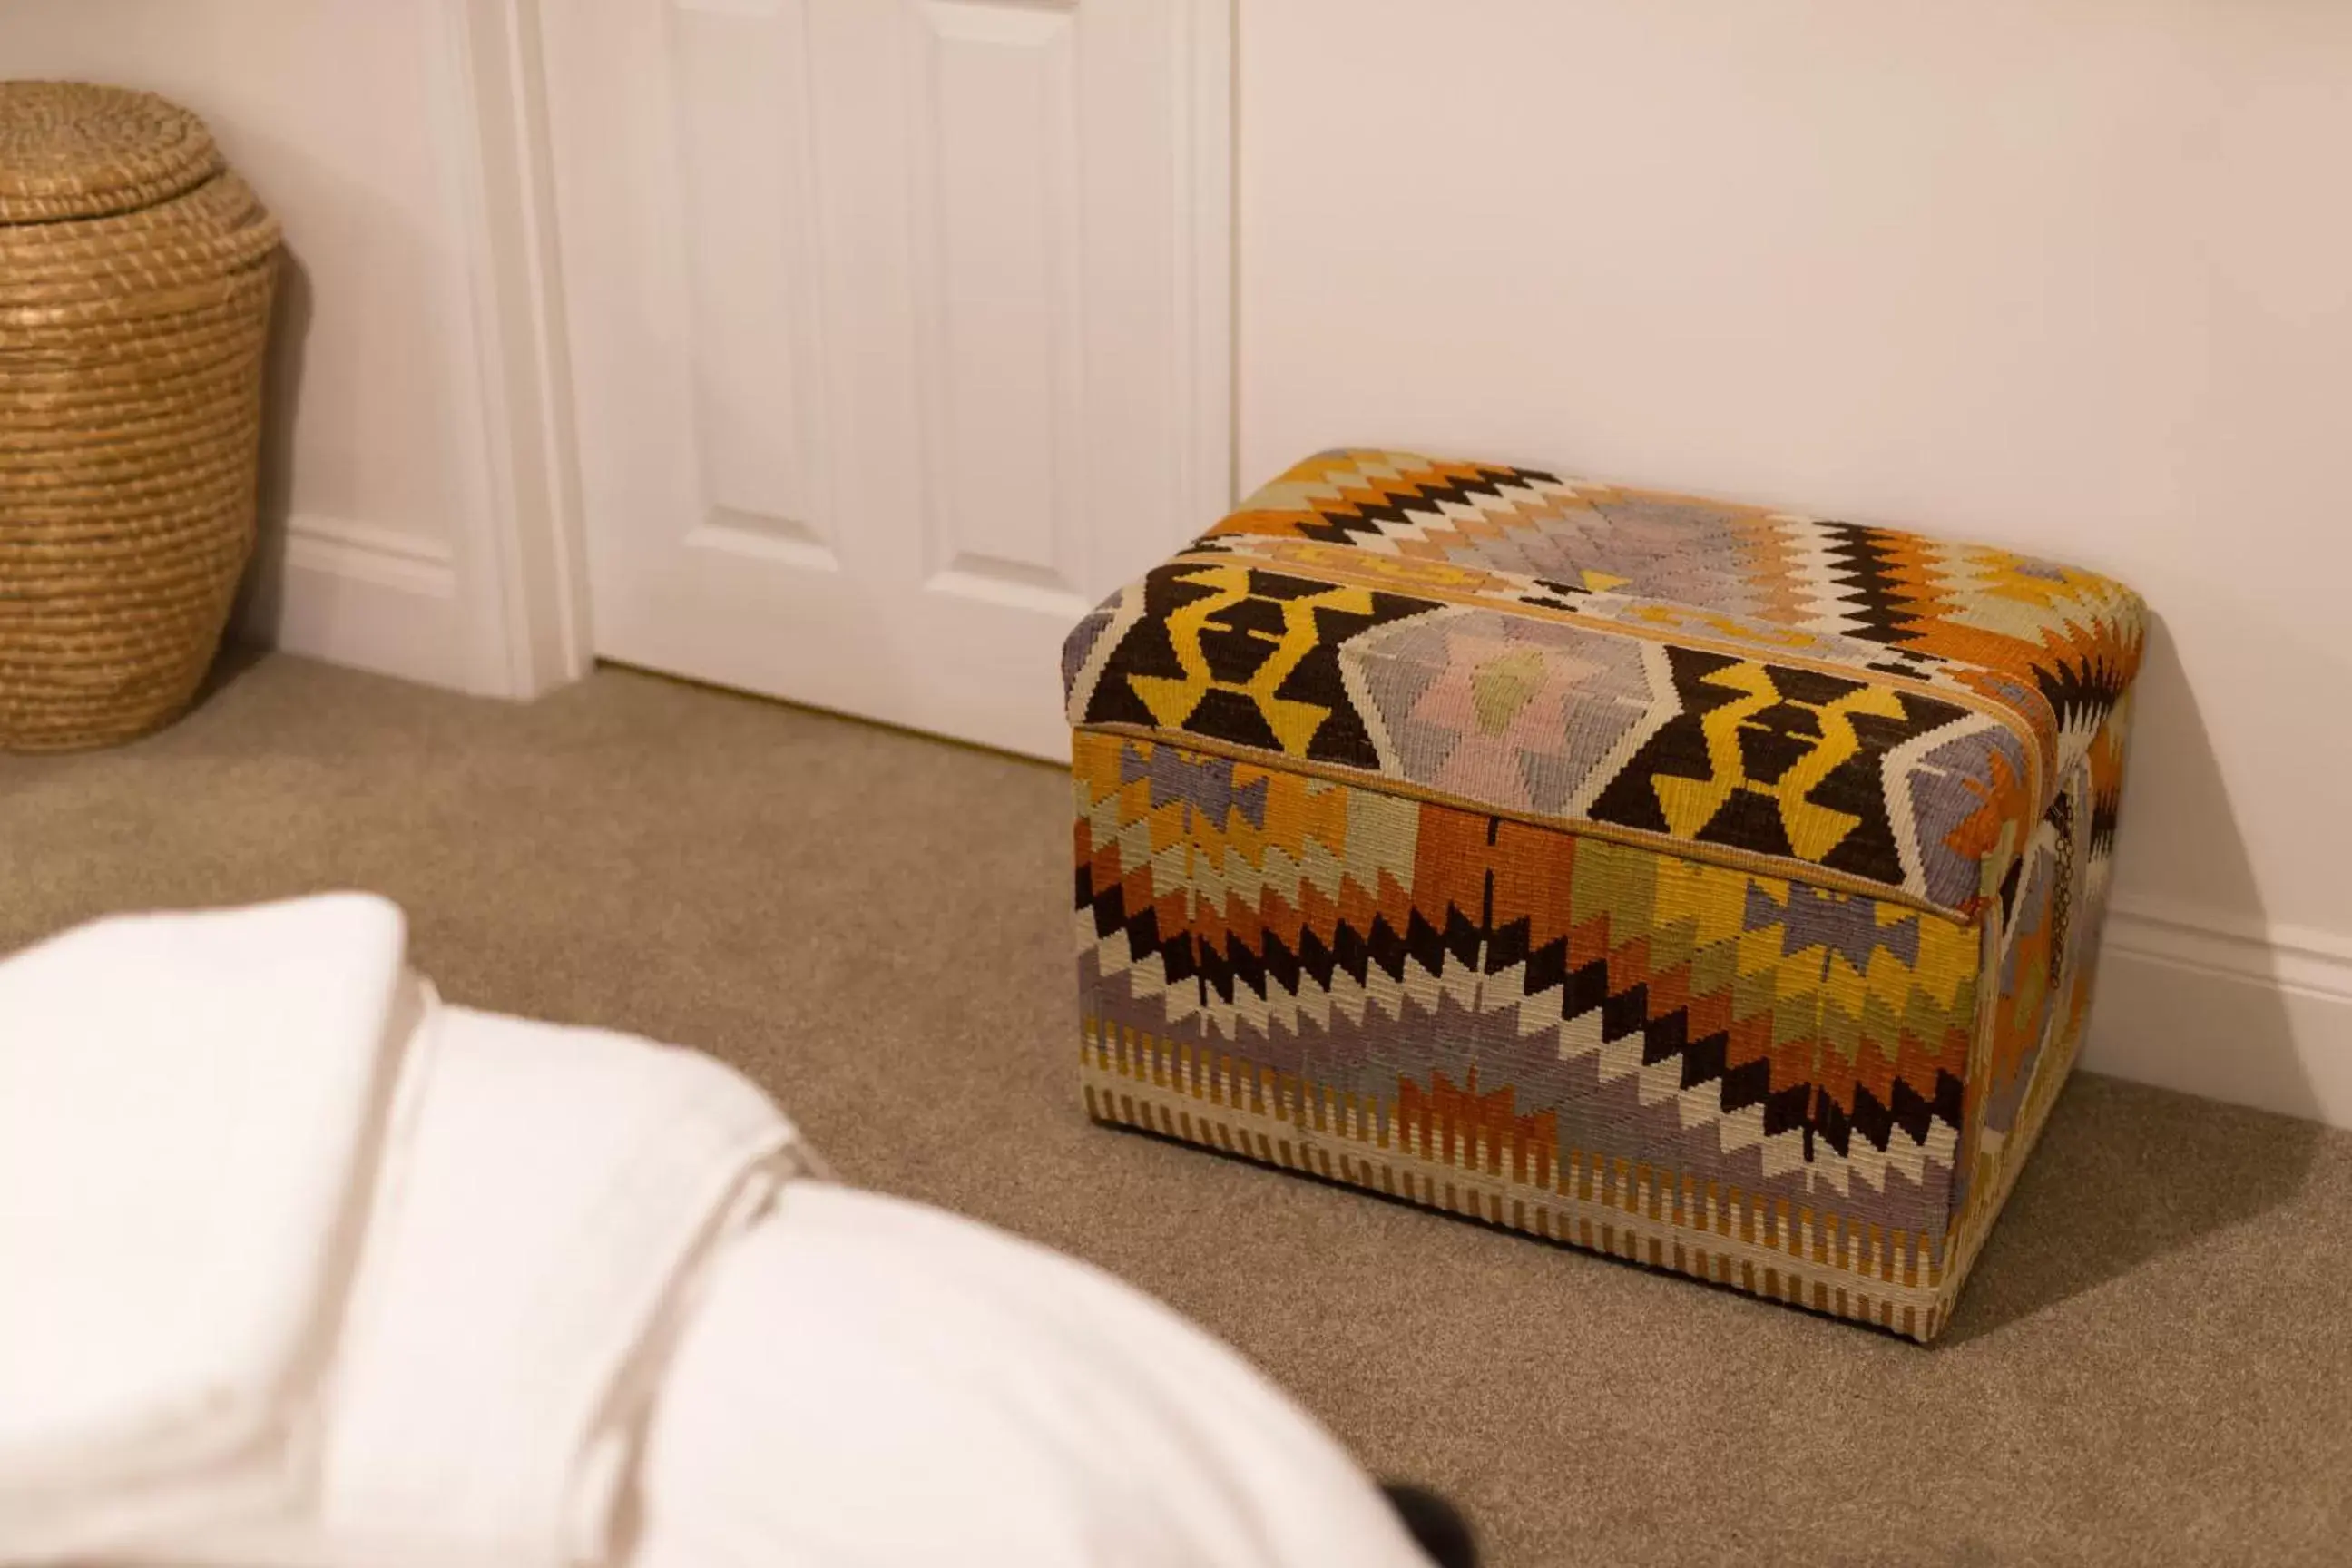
354,593
2239,1010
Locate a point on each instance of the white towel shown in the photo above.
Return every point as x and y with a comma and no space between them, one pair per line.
546,1205
189,1106
870,1384
299,1266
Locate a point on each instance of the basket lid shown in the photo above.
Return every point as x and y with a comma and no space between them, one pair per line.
72,150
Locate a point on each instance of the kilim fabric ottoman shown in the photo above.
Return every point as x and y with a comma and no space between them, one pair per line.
1704,884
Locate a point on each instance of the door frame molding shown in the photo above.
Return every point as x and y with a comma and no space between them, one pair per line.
526,560
1207,103
522,554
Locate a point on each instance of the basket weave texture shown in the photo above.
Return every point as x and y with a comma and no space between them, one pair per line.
136,273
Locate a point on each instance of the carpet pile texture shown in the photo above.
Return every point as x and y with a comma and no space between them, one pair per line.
2152,1365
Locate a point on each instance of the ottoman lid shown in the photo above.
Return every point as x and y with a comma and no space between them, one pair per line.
1855,707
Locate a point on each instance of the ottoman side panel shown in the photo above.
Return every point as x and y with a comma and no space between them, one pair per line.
1535,1006
2043,942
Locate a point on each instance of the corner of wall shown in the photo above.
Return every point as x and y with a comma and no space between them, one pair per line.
497,606
355,594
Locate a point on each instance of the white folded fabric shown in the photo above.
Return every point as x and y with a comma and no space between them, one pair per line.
870,1384
189,1107
299,1266
547,1214
546,1203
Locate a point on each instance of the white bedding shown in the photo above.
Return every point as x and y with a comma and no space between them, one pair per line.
300,1266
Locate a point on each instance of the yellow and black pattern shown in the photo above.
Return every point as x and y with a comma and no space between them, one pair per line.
1822,768
1878,706
1777,761
1248,657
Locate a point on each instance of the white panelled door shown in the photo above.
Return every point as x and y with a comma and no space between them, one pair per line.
898,334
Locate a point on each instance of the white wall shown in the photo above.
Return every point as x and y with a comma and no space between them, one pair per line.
2066,274
350,118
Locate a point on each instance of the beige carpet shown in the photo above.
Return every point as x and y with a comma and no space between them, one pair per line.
2153,1364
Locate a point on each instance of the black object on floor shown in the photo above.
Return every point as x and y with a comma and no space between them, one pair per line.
1435,1523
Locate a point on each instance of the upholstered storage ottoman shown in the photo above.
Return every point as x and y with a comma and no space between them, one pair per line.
1702,884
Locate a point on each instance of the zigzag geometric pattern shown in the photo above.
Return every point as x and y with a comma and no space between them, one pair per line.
1892,709
1426,840
1768,1032
2072,635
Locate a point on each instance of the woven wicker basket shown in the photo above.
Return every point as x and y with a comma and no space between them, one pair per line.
135,282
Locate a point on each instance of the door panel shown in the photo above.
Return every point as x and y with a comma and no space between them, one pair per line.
898,329
1000,318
